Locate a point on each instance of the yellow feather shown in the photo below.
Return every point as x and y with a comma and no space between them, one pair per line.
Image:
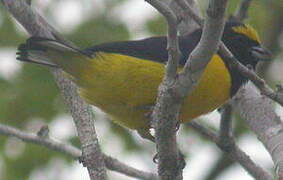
124,87
248,31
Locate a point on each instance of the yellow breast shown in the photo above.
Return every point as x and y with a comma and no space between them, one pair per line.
125,87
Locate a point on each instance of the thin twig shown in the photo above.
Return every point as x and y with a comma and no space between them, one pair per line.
201,55
80,111
187,24
28,2
116,165
242,11
234,152
174,89
43,141
251,75
189,11
165,123
67,149
172,38
231,59
206,132
226,122
240,67
275,148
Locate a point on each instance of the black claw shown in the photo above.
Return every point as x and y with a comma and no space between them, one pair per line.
220,110
82,161
177,126
155,159
182,162
249,66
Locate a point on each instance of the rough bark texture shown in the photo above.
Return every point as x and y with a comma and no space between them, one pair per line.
175,88
80,111
258,111
187,24
46,141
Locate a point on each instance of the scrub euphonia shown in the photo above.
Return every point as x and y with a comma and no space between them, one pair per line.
122,78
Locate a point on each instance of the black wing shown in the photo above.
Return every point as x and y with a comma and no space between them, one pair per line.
153,48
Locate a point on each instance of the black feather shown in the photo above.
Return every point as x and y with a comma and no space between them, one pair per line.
154,49
32,45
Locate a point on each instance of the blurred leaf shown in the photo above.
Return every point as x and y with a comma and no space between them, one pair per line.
33,157
127,139
8,30
98,30
157,26
30,94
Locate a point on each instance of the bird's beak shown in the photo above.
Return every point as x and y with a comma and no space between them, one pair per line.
260,53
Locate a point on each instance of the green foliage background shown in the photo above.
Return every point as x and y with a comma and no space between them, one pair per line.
32,94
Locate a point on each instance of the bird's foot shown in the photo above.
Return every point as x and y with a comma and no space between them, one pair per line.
82,161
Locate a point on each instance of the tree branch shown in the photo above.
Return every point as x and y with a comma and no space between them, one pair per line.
232,61
28,2
226,123
251,75
80,111
189,11
210,39
233,151
274,147
172,38
115,165
258,112
276,153
175,88
164,117
187,24
242,11
110,162
43,141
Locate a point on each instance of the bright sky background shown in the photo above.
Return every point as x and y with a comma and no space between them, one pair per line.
202,155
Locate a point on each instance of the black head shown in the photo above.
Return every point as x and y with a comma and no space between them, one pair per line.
243,41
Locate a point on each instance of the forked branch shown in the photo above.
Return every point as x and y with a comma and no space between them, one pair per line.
80,111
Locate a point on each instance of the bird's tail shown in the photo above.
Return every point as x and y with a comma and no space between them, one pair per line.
52,53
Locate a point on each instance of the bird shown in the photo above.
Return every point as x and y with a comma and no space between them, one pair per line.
122,78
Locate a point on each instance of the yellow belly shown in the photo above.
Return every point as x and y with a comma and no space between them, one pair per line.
124,87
